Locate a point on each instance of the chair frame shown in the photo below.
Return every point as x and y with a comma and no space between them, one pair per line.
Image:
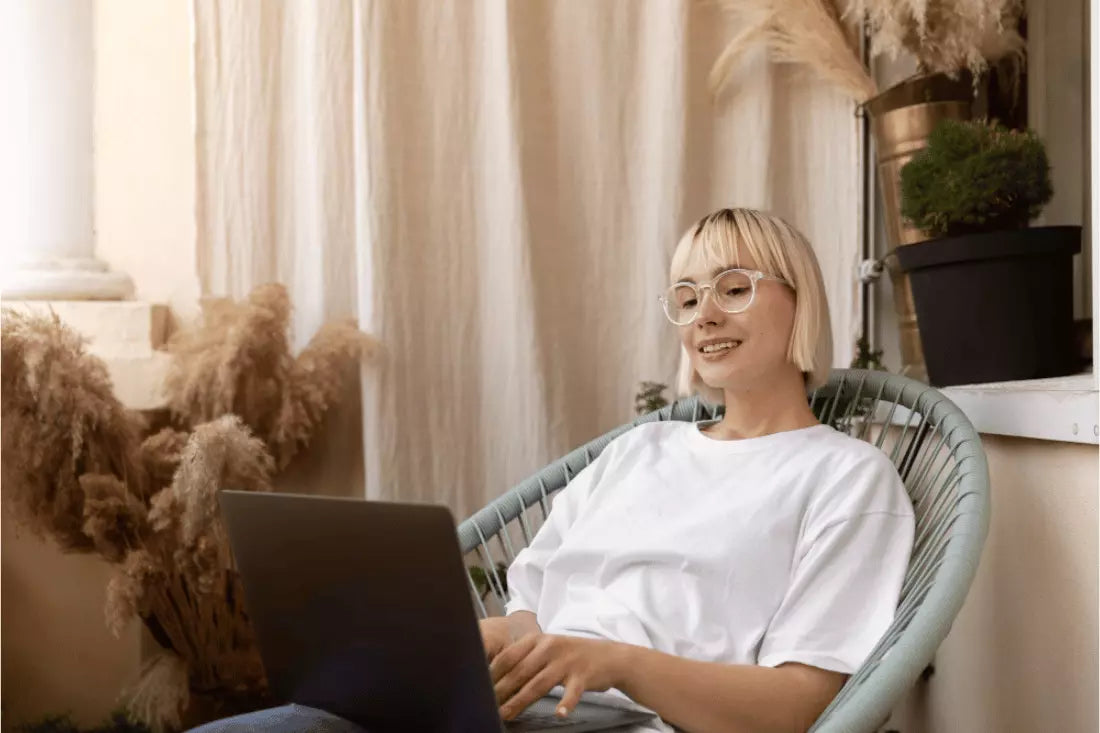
939,456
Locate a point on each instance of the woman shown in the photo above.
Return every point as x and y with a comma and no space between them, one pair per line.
727,576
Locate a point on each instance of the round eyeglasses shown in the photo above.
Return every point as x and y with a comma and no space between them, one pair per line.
733,291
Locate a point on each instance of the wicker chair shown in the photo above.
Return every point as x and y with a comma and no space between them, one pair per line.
937,453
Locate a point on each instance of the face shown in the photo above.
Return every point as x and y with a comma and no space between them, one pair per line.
747,350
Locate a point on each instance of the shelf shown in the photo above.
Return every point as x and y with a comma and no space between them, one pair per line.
1065,409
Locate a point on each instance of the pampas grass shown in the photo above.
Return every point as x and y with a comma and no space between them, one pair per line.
161,695
238,360
61,421
945,36
77,468
808,33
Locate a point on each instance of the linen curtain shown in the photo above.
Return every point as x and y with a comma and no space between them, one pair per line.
494,188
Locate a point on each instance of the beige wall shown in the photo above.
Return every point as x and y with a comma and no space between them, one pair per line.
58,656
145,148
1022,655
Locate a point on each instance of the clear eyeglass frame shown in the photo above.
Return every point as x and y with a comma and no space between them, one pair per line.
754,276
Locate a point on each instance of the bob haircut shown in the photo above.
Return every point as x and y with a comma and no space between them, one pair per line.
778,249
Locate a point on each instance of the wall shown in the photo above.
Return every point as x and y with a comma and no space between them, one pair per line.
145,148
1022,655
58,656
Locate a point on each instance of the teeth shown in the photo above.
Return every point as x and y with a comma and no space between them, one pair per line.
711,348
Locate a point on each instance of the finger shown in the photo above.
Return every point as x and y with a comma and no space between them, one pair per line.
509,656
520,675
574,688
535,689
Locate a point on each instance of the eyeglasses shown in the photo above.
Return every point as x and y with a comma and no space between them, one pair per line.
733,291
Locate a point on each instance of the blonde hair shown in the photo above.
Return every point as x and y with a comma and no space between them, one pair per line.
778,249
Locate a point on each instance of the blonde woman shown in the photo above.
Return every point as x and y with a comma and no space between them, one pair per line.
728,576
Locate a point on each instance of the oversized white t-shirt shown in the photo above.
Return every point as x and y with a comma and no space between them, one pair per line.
790,547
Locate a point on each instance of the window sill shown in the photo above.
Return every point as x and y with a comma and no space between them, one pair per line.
1064,409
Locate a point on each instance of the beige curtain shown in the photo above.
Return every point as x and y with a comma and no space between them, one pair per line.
494,188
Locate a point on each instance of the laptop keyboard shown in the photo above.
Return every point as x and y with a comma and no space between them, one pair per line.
537,721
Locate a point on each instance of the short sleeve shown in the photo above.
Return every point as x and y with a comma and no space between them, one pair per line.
843,593
526,571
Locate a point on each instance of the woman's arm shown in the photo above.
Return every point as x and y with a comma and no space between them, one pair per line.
522,623
694,696
707,696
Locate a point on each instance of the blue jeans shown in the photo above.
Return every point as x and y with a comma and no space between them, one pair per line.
286,719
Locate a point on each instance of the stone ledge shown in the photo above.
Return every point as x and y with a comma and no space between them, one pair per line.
126,329
139,381
126,335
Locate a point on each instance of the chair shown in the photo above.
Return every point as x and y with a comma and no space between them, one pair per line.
937,453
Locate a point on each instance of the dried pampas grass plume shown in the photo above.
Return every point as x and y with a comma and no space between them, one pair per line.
64,422
804,32
77,469
221,454
132,589
161,454
237,360
161,695
945,36
114,519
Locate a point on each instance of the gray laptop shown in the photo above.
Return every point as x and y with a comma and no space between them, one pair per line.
363,609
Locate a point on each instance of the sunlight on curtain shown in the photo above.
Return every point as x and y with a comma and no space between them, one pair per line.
495,190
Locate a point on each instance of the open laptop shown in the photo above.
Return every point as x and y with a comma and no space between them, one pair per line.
363,609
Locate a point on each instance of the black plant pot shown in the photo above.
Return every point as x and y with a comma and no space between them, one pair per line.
996,306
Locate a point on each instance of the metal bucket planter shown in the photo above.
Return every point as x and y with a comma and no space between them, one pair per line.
902,117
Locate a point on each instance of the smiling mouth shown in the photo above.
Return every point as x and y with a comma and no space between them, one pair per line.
721,347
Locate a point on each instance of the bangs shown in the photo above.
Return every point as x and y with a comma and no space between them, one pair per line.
722,239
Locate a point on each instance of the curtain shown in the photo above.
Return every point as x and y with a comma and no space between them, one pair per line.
495,189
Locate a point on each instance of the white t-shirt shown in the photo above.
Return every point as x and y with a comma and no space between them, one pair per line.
790,547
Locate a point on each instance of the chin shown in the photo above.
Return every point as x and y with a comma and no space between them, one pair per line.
738,375
719,378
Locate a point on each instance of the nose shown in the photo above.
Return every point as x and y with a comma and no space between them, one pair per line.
709,312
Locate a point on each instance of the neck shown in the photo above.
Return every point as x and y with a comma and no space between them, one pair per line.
775,407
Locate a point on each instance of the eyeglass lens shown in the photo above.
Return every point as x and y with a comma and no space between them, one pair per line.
732,291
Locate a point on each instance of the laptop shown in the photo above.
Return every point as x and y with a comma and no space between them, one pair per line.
363,609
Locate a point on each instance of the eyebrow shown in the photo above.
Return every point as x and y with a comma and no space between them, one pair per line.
713,273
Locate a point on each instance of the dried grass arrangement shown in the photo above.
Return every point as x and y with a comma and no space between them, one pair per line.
944,36
808,33
82,470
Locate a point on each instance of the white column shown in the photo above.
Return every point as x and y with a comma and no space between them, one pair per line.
46,233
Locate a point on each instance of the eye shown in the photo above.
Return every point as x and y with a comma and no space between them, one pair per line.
688,303
736,291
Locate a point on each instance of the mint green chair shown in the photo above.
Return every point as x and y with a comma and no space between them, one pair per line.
937,453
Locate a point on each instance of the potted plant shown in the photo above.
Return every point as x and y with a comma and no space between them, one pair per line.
993,297
954,44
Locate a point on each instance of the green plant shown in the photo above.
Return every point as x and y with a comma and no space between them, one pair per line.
866,357
975,176
650,397
484,583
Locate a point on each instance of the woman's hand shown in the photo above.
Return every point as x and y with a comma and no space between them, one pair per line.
528,669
